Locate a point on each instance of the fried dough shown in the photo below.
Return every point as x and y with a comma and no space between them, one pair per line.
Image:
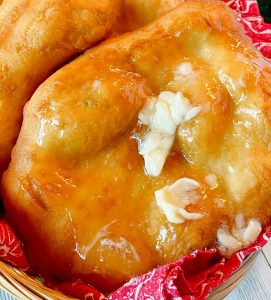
137,13
36,38
76,190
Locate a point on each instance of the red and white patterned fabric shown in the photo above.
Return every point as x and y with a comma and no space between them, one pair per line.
249,15
192,277
11,249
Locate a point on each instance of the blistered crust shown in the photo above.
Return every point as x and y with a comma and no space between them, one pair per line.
77,180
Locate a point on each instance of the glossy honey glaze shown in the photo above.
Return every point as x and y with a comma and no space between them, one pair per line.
36,38
76,190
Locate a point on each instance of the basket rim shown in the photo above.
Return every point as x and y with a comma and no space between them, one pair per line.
23,286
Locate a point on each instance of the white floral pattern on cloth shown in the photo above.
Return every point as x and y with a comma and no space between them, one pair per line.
11,249
192,277
249,15
80,290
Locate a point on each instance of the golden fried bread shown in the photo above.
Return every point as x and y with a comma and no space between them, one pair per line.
78,192
42,35
36,37
137,13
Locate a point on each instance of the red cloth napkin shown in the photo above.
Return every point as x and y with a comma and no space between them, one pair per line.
193,276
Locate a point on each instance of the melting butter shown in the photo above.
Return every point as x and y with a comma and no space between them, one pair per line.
173,199
162,114
241,235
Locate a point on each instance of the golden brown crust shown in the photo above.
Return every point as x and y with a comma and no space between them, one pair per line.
36,37
76,180
138,13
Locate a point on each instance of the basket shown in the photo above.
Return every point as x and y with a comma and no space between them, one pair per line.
24,287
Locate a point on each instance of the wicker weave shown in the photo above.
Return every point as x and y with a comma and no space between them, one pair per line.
24,287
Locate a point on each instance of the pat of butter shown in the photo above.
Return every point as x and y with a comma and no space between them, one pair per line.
162,114
241,236
228,244
173,199
155,149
